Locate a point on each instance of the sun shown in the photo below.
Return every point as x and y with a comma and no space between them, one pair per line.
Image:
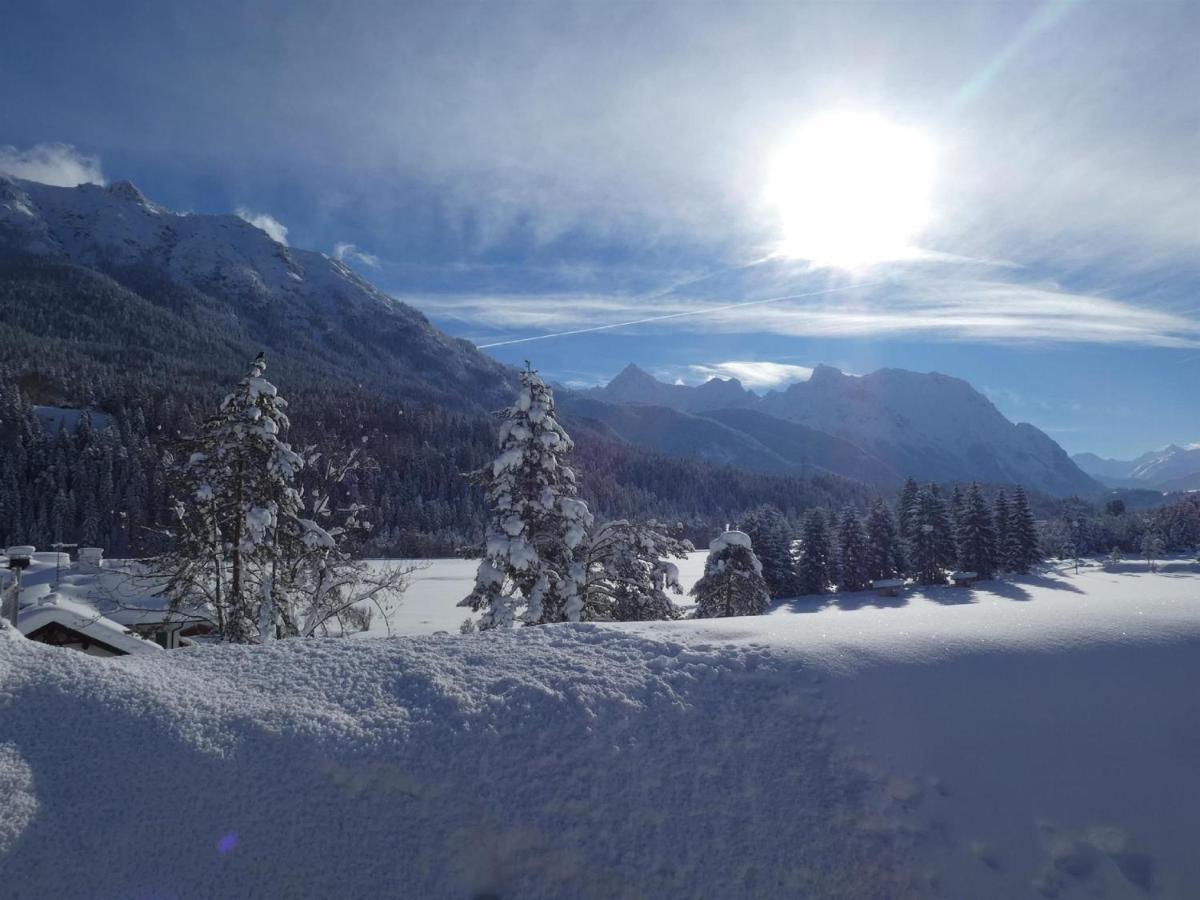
852,189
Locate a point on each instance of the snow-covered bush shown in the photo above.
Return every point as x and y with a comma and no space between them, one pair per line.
629,572
732,584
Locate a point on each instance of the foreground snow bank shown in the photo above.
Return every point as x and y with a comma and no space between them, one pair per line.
569,761
1026,739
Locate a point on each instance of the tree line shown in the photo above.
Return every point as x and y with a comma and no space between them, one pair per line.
547,561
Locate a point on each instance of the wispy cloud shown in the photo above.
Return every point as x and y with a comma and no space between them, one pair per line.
275,229
343,252
753,373
946,309
57,164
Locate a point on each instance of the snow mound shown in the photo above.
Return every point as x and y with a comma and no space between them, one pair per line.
563,761
730,539
1015,740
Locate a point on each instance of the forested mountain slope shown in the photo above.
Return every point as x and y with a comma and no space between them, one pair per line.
114,304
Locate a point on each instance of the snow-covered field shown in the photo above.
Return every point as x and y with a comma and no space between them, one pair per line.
438,584
1030,738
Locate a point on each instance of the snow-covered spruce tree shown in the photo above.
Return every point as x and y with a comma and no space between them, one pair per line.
816,565
958,509
771,536
976,535
246,556
732,584
628,572
1021,541
885,558
854,563
237,482
1000,518
931,549
906,508
537,521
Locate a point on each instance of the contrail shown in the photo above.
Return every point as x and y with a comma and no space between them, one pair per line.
679,315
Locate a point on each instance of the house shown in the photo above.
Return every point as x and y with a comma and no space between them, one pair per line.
61,622
964,579
113,601
888,587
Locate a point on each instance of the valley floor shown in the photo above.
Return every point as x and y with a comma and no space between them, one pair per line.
1034,737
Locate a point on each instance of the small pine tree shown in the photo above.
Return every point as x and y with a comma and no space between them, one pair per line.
732,584
976,538
771,536
1114,558
884,556
1068,553
1152,548
1022,539
1000,518
537,521
816,567
854,562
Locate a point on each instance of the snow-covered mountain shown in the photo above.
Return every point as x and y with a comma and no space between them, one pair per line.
1171,468
930,426
635,385
745,438
103,279
253,292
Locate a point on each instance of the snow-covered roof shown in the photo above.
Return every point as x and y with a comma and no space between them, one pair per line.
888,583
54,609
119,590
963,576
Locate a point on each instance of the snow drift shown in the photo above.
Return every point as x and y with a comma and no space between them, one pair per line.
1033,738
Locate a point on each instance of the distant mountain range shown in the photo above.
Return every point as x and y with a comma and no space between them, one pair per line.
1173,468
101,285
879,427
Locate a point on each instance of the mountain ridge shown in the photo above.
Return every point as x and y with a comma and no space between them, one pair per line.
1173,467
929,425
89,271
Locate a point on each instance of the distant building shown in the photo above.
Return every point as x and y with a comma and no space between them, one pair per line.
92,605
66,623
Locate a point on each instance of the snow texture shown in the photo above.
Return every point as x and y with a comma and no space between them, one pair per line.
1026,738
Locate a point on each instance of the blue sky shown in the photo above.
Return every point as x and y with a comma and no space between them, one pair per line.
523,169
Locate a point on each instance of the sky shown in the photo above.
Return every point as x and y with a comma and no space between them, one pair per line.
1005,192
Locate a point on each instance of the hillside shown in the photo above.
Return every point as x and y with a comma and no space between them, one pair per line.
146,317
121,283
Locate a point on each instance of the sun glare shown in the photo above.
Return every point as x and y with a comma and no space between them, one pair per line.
852,189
